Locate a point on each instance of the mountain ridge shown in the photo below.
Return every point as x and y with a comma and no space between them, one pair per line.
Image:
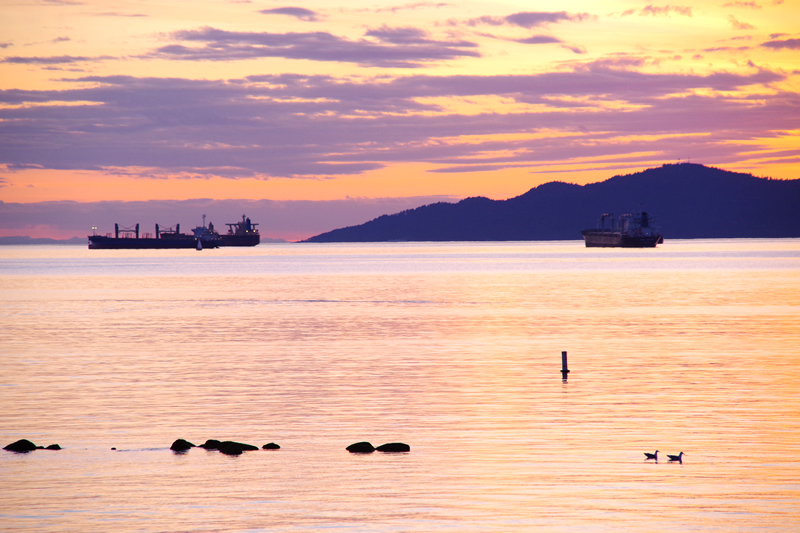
689,200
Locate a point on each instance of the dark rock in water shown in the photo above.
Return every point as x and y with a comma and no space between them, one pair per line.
21,446
271,446
211,444
361,447
181,445
394,447
229,447
53,447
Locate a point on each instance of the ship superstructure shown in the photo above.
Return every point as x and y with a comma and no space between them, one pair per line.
242,233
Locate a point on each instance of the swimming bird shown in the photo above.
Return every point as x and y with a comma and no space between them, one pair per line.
651,455
678,457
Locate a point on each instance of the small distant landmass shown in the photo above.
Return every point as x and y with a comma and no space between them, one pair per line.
689,201
32,240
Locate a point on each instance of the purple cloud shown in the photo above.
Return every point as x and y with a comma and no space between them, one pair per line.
539,39
52,60
533,19
574,49
530,19
661,11
726,49
751,5
791,44
409,36
317,126
300,13
400,48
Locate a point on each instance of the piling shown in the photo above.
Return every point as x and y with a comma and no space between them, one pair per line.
564,369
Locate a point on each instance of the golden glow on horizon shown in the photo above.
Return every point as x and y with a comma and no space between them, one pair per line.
414,178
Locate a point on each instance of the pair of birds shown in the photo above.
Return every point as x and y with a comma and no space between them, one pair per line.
678,457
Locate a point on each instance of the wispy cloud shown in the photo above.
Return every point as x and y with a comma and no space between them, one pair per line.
399,47
738,25
549,39
300,13
407,35
751,5
666,10
656,11
118,14
413,6
790,44
539,39
530,19
726,49
52,60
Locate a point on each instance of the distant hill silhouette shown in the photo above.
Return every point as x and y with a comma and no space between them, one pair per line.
688,200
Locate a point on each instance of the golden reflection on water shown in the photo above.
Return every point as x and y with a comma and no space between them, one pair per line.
453,348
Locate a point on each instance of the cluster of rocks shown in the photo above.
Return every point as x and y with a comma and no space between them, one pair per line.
228,447
25,446
391,447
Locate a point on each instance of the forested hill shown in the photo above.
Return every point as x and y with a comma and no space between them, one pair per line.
688,200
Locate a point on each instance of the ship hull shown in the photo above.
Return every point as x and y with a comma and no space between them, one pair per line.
250,239
615,239
100,242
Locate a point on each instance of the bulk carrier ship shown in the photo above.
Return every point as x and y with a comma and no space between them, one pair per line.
239,234
629,231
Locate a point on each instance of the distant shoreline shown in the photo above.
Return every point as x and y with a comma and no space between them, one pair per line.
41,240
78,241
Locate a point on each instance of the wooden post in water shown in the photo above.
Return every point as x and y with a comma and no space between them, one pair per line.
564,369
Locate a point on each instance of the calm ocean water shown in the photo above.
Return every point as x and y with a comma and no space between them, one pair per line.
453,348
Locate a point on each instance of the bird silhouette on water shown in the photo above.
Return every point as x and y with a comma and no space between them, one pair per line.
651,455
678,457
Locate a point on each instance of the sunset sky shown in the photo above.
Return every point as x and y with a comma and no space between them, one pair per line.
379,104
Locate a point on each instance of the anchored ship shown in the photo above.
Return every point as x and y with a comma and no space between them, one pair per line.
242,233
628,231
164,238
